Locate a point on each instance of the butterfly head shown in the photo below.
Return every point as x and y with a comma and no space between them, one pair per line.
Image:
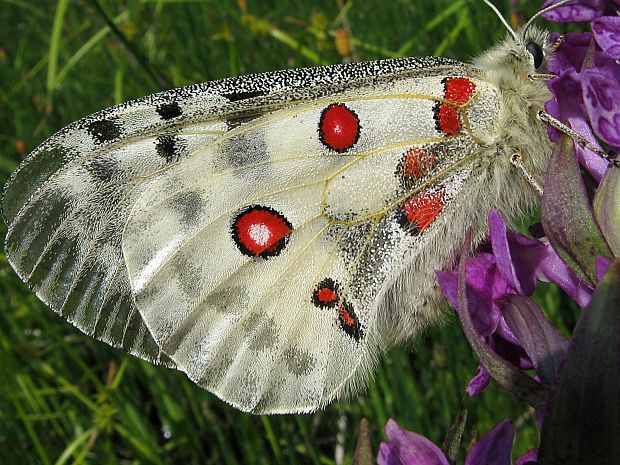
526,52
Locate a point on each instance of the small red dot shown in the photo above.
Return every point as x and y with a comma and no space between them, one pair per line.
325,295
339,127
346,317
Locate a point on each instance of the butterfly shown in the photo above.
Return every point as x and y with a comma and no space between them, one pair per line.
271,235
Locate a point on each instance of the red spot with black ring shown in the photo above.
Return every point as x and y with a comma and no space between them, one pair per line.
339,127
325,294
260,231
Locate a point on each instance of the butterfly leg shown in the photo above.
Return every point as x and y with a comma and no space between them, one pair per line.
557,124
517,161
540,76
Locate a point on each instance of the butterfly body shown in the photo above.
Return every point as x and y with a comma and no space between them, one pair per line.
271,235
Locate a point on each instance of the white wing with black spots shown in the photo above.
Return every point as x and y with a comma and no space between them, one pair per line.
247,230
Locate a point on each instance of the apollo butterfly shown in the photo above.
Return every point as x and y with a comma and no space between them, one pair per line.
269,235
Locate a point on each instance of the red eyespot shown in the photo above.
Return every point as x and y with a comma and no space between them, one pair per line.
325,295
459,91
349,322
339,127
419,212
260,231
417,162
447,119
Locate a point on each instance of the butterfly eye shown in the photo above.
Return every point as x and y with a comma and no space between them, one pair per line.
536,52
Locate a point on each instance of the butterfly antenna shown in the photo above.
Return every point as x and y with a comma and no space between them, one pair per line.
502,19
542,12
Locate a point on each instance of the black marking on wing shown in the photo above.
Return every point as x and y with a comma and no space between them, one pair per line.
189,206
236,96
241,150
104,170
169,110
104,130
170,148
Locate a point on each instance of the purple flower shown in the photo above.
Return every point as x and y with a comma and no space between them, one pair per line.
579,10
529,458
586,89
584,97
512,268
408,448
607,34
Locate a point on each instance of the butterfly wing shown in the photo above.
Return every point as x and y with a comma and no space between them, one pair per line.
229,230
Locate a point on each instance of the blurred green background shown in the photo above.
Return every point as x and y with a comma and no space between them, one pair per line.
65,398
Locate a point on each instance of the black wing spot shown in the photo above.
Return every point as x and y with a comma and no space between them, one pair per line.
170,148
104,130
189,206
169,110
236,96
104,170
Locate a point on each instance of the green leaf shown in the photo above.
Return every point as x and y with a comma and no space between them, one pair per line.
567,216
454,437
583,423
607,208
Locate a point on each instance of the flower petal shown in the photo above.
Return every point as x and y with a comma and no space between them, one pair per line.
602,263
607,34
506,375
542,342
408,448
594,163
494,447
483,283
388,455
478,382
529,458
578,11
501,250
601,96
556,271
571,52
